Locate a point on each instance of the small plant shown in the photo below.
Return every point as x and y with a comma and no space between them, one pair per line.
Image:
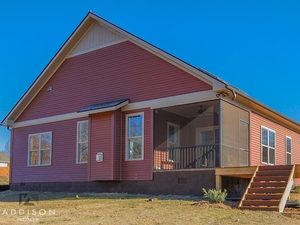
297,188
213,195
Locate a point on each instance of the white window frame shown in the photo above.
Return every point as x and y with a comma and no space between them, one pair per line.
172,156
127,158
77,141
286,150
39,149
268,146
209,128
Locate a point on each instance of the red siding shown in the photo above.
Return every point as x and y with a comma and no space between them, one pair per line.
118,145
103,140
140,169
63,168
256,121
116,72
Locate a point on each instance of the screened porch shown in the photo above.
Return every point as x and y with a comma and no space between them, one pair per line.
201,135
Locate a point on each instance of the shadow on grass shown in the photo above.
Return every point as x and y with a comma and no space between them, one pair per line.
18,196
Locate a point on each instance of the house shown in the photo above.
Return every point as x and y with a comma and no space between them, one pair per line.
4,159
4,168
113,113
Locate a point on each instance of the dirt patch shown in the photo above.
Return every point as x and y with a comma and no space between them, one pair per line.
225,205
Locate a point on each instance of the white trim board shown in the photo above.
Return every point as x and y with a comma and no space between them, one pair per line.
153,104
96,48
172,101
67,116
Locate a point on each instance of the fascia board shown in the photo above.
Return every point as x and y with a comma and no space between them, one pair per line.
42,79
67,116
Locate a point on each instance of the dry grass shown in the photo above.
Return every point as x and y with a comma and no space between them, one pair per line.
4,180
89,208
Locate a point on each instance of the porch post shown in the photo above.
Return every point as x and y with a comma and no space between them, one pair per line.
218,182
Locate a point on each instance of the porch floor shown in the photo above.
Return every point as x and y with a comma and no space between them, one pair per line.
241,172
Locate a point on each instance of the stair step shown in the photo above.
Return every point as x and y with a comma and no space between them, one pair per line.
262,208
269,184
271,178
263,196
280,167
265,190
273,173
261,202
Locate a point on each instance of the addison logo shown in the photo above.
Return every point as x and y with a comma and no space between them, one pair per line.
28,199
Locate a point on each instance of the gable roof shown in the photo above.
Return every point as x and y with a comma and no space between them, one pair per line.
70,47
71,44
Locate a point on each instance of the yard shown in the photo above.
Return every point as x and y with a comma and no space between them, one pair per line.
93,208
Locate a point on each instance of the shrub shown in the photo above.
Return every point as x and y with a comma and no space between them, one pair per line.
297,188
213,195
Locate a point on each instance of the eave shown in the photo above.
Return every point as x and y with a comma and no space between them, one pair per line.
261,109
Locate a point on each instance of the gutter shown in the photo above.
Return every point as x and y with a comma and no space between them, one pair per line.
232,91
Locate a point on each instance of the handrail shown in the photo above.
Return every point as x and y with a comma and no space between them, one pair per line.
287,190
249,185
184,157
180,147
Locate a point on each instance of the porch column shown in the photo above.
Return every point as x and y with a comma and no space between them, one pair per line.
218,182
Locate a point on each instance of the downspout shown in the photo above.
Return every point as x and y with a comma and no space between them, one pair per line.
232,91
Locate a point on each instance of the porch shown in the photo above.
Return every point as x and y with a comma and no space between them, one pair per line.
208,134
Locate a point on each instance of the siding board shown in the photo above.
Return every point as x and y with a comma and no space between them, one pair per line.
281,132
102,136
119,71
63,167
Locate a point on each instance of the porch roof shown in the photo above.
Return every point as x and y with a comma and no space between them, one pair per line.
104,107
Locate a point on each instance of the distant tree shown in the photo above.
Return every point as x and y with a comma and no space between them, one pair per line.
7,148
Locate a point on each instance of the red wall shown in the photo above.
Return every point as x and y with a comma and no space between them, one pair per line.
63,168
139,169
256,121
116,72
101,140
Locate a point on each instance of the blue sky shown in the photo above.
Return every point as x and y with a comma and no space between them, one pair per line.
253,45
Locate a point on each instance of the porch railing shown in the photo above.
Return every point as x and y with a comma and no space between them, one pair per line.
199,156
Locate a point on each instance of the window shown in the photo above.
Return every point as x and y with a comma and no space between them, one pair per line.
173,139
207,135
288,148
268,146
82,142
135,136
39,149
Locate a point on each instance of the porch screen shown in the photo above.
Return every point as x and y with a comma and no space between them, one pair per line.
235,136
